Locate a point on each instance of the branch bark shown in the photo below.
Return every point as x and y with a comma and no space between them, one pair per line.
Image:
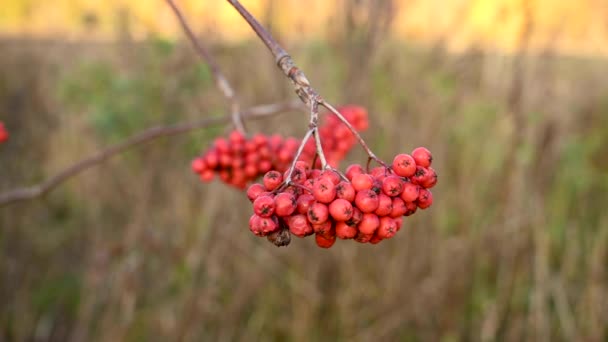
151,134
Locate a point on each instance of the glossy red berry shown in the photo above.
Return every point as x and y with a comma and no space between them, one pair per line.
387,228
362,182
284,204
264,206
404,165
344,231
366,201
345,190
340,209
385,205
299,225
272,179
369,223
425,199
324,190
392,185
254,191
318,213
324,241
422,156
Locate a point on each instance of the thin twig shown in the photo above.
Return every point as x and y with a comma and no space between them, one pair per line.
302,86
297,156
220,80
31,192
354,131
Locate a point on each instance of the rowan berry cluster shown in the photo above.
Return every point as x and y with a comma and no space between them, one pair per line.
3,133
364,206
239,160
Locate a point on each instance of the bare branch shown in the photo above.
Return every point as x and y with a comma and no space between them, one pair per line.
151,134
220,80
302,86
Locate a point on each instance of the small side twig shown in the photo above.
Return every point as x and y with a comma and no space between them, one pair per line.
151,134
354,131
220,80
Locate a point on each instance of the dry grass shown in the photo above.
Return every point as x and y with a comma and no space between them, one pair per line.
515,247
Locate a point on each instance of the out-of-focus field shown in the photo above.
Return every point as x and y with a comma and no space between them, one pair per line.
514,248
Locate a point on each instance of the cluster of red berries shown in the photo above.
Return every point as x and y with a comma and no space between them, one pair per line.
3,133
366,207
240,160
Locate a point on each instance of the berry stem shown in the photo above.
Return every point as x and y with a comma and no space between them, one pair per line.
221,81
354,131
287,180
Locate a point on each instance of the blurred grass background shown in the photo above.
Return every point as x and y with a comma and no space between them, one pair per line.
514,248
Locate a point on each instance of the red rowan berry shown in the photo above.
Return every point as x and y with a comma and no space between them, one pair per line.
198,165
411,208
298,225
352,170
324,242
318,213
340,209
399,208
345,190
375,239
410,192
356,218
324,190
272,179
392,185
264,206
366,201
284,204
422,156
207,176
363,238
344,231
379,172
404,165
387,228
254,191
421,175
362,182
212,159
385,205
431,179
333,176
304,202
369,223
325,228
425,199
254,225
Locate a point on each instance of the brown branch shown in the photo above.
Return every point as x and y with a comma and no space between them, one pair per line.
151,134
221,81
302,86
